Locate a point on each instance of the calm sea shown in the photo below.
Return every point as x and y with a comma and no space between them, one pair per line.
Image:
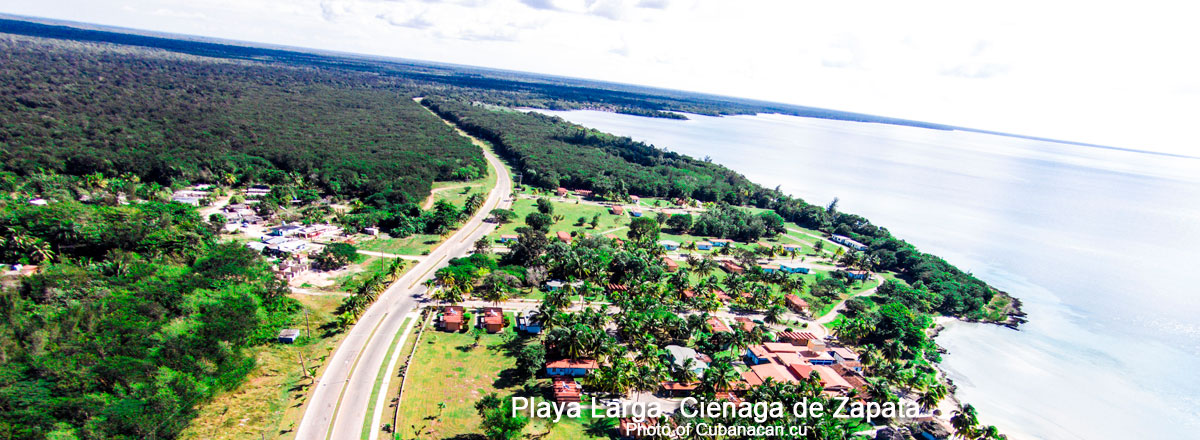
1101,245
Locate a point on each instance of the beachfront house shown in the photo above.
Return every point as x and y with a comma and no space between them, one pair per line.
848,242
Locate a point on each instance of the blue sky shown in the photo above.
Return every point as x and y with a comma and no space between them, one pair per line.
1121,74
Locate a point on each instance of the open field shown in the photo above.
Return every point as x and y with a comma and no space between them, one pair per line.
448,369
268,404
571,212
416,244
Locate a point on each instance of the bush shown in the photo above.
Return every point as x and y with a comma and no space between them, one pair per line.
335,256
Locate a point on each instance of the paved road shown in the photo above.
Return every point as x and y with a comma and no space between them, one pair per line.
338,406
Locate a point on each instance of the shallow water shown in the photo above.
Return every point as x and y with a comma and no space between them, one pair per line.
1101,246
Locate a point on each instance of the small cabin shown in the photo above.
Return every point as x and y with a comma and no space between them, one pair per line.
793,268
617,210
704,245
288,335
670,265
669,245
564,237
509,238
492,319
452,318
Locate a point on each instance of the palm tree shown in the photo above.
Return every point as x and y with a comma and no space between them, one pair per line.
495,288
928,400
719,376
774,313
965,422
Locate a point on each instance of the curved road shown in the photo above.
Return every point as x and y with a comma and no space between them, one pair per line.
338,405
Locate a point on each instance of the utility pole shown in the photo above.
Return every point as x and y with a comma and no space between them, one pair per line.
303,367
307,326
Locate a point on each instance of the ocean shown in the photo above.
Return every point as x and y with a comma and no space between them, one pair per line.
1100,245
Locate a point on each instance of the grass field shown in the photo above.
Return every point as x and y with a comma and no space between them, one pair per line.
269,403
571,213
416,244
447,370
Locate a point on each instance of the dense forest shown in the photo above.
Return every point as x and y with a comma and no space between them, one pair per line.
136,316
169,118
550,152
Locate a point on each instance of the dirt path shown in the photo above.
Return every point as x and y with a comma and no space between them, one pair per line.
841,305
429,200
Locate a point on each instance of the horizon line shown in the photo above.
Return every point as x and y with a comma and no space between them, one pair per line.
85,26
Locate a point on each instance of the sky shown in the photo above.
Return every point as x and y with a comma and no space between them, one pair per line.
1123,74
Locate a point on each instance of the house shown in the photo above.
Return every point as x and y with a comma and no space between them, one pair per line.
813,357
288,335
721,242
843,355
583,193
704,245
848,242
773,371
796,303
452,318
635,212
492,319
567,390
671,265
731,267
769,268
256,246
617,210
615,239
371,231
797,338
792,247
571,367
745,322
681,354
528,323
858,274
194,201
290,247
757,354
793,268
286,230
635,199
509,238
669,245
564,237
562,192
830,380
719,326
554,285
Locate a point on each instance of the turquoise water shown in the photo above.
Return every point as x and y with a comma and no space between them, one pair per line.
1101,246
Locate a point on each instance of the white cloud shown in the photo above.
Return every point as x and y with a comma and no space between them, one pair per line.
1111,74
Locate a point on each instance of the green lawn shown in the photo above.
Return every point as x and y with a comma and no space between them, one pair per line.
417,244
445,369
571,213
